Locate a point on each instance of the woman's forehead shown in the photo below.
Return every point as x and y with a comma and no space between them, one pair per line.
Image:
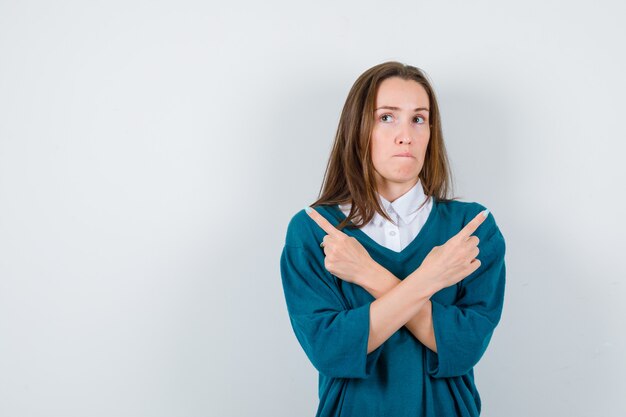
401,94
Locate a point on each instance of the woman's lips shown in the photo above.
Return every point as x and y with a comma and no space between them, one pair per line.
405,154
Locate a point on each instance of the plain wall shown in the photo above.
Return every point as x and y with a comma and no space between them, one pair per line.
153,152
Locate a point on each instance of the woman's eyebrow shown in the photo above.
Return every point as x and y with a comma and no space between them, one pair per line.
398,108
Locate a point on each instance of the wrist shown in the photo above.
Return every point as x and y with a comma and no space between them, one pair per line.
377,280
424,283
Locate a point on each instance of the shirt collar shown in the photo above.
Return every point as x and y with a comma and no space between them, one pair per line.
406,206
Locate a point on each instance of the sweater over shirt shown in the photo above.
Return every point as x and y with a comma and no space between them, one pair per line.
409,212
402,377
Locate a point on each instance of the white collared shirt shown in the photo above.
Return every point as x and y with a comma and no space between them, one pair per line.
404,211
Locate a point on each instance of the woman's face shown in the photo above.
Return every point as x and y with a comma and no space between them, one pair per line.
401,127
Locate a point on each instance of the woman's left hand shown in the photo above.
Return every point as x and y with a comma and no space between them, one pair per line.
345,258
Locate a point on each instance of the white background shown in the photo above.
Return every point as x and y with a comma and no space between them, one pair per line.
152,154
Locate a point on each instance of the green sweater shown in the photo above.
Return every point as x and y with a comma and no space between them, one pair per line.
402,377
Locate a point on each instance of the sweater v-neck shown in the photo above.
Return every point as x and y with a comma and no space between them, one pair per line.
364,238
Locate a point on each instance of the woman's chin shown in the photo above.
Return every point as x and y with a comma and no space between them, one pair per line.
405,176
396,177
402,179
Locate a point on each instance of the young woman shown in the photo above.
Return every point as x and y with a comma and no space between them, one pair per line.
393,290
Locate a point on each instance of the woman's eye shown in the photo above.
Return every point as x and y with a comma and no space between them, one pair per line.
420,119
383,117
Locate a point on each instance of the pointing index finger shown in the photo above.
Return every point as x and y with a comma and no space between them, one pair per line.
471,227
322,222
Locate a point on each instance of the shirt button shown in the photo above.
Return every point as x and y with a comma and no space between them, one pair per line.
392,233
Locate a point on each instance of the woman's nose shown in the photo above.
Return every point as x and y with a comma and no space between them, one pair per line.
404,136
404,140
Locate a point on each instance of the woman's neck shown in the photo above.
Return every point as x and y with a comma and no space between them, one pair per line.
394,190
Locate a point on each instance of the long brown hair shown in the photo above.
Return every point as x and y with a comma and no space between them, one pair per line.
349,176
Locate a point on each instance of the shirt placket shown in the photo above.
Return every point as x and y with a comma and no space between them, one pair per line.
392,232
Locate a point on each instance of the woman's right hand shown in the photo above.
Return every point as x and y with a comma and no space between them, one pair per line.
449,263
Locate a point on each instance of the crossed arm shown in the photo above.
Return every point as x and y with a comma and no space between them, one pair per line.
379,282
407,302
331,334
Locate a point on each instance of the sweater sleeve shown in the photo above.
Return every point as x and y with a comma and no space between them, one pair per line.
463,330
333,334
